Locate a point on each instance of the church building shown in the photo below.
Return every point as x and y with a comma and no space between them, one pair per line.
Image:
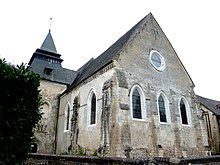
134,100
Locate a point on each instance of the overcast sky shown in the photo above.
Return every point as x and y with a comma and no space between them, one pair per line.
85,28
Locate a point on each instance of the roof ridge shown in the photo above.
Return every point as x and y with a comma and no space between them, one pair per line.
109,54
130,33
209,103
207,98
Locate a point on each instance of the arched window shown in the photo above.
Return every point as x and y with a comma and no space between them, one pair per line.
67,118
163,108
92,108
184,111
137,103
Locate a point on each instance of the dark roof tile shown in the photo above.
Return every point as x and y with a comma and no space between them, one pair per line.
48,44
70,75
210,104
106,57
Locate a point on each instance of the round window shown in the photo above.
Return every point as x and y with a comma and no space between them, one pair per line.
157,60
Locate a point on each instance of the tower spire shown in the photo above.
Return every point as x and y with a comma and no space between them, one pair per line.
48,43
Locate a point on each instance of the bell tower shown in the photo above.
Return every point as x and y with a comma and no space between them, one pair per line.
47,62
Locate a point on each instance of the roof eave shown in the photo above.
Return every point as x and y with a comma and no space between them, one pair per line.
75,85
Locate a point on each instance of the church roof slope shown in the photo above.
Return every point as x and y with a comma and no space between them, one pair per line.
70,75
57,73
113,52
48,44
210,104
109,55
47,63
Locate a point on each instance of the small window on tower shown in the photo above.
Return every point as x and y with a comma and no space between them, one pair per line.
48,71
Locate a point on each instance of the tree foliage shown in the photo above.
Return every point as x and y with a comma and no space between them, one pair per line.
20,102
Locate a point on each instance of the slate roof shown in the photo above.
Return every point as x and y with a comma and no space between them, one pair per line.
59,74
48,44
111,54
210,104
70,75
47,58
94,65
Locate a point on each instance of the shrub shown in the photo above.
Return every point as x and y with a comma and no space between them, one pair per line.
20,102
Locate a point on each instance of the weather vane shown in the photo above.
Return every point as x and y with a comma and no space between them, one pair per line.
50,24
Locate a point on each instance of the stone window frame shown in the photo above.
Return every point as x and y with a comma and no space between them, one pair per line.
167,108
162,60
143,105
188,112
67,118
89,102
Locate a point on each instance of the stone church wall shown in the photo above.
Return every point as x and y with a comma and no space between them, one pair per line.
116,132
149,136
212,128
88,136
63,136
36,159
46,129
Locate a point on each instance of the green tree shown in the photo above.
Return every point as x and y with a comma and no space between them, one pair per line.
20,102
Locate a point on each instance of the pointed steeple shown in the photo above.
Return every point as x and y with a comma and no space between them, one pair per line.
47,51
47,62
48,44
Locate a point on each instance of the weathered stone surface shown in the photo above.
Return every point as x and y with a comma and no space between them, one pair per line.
115,128
46,129
35,159
122,82
174,161
124,106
